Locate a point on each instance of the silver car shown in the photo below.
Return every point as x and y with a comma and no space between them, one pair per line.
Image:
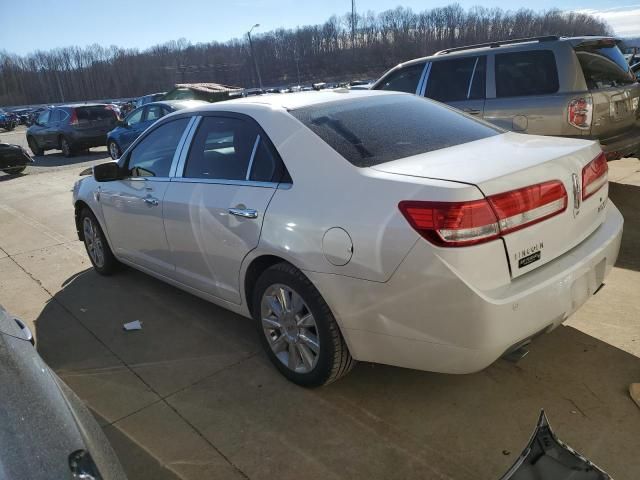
572,87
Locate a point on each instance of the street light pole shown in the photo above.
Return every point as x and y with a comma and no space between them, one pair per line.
255,62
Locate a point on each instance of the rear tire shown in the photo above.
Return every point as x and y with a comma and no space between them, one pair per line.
299,333
14,170
35,149
65,146
95,242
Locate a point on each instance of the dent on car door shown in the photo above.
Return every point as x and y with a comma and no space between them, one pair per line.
214,208
459,82
132,207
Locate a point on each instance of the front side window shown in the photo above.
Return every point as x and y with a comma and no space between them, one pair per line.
456,79
152,157
604,67
377,129
404,80
154,112
531,72
134,117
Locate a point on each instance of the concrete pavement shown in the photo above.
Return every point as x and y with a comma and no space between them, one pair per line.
192,396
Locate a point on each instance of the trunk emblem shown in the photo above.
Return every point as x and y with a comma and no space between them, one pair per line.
577,194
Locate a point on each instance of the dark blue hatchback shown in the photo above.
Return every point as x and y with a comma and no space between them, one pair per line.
119,139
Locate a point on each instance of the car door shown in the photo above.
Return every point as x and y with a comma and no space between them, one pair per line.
459,82
40,128
132,207
53,128
215,206
132,128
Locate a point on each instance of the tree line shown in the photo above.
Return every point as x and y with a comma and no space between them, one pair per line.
342,48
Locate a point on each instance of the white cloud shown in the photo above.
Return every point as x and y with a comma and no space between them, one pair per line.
625,21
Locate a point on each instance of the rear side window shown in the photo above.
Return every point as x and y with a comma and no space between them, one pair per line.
227,148
86,114
373,130
526,73
604,67
457,79
403,80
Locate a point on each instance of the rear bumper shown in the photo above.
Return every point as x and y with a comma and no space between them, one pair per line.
426,317
623,144
88,140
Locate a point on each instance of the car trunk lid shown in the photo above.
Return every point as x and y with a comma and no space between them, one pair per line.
509,162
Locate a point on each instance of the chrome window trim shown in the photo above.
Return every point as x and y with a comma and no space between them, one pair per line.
423,87
147,179
422,77
222,181
177,168
473,74
253,154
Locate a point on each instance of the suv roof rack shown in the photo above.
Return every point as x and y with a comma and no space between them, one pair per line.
547,38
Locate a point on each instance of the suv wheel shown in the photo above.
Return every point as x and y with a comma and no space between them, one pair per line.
66,148
114,150
33,145
297,329
98,249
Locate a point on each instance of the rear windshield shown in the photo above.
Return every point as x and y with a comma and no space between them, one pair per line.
94,113
604,67
373,130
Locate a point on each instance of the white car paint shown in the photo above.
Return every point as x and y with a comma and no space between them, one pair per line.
398,299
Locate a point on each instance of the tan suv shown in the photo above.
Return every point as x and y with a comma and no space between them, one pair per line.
574,87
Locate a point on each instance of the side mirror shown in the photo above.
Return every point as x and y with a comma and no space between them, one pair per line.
107,172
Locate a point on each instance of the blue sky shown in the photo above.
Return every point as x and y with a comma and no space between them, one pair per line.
142,23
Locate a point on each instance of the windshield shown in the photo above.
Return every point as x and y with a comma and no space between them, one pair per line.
372,130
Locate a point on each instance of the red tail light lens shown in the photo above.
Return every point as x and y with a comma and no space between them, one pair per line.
594,175
580,112
74,118
457,224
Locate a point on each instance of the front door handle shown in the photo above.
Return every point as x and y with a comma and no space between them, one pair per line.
152,202
471,111
244,212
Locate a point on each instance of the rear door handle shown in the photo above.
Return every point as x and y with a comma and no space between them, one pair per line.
471,111
244,212
150,201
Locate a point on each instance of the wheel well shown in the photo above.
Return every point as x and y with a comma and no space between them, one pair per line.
60,137
257,266
79,206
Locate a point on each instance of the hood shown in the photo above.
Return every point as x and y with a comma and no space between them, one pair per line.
43,422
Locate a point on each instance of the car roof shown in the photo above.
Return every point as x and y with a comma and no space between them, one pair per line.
296,100
177,104
78,105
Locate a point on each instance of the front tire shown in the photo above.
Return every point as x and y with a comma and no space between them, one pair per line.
15,170
65,146
95,242
297,329
33,145
114,150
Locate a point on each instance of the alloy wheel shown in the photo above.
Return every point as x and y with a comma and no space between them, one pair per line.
93,241
114,151
290,328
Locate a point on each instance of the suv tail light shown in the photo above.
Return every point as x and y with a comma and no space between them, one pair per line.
457,224
594,175
74,117
580,112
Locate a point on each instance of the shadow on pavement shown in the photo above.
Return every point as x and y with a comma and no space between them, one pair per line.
627,199
378,422
57,159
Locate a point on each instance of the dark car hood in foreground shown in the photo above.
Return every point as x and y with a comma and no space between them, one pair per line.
41,420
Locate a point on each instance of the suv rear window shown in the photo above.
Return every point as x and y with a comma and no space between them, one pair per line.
373,130
526,73
604,67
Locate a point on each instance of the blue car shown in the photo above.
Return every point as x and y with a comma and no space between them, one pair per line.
119,139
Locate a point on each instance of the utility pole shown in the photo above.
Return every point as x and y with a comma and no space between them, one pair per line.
255,62
353,24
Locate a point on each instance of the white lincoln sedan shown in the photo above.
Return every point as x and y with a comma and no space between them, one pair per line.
358,225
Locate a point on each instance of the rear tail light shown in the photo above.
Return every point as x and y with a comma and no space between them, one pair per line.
594,175
457,224
74,117
580,112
